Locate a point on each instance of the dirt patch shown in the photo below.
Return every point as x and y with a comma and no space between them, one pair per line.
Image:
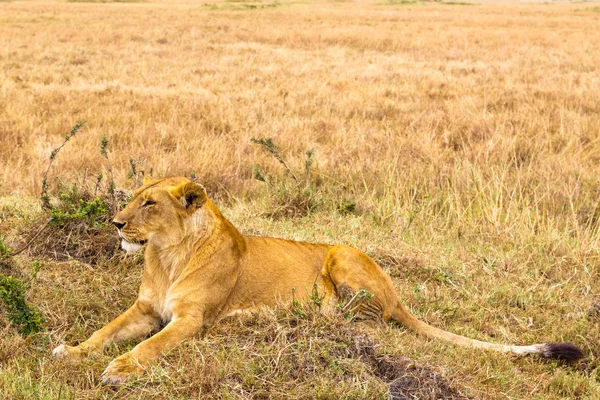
407,379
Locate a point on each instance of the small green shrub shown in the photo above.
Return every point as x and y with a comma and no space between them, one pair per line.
347,207
78,214
4,249
76,205
25,317
79,225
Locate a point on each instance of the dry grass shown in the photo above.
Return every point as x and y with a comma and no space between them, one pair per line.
467,136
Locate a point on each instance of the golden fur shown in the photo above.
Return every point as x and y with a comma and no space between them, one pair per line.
200,268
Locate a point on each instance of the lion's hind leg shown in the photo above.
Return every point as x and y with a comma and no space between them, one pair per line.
362,288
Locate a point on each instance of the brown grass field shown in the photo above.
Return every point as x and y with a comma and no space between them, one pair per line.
457,144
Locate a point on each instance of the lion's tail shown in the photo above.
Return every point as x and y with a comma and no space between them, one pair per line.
565,351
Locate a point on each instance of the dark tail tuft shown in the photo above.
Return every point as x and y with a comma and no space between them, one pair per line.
563,351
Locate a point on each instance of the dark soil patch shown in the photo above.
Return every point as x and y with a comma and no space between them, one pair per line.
407,379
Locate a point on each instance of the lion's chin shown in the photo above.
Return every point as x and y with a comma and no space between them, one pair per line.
131,247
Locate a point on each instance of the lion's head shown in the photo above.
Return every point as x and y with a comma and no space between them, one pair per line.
160,213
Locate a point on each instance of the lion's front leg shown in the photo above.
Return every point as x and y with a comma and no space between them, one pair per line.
133,363
138,321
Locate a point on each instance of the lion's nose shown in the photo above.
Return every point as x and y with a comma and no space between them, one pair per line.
118,224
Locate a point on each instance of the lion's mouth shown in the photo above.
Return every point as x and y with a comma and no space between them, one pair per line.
132,246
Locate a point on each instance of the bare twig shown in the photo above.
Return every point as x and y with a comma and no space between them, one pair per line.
269,146
44,195
111,182
35,236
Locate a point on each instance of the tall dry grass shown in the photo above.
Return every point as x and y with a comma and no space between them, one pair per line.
463,103
468,136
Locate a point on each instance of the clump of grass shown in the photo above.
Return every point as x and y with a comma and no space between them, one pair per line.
6,263
79,227
346,207
21,314
137,172
78,214
75,206
25,317
294,192
290,194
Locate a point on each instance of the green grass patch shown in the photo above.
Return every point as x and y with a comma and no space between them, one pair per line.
4,249
19,383
25,317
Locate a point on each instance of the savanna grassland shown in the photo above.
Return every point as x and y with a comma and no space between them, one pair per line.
457,144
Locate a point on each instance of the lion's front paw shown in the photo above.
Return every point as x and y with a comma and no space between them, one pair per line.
121,369
64,352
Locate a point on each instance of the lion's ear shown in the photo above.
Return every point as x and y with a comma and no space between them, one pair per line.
191,195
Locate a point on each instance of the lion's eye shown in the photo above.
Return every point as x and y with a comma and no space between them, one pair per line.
148,203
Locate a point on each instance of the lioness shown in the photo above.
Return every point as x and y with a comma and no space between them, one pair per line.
200,268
